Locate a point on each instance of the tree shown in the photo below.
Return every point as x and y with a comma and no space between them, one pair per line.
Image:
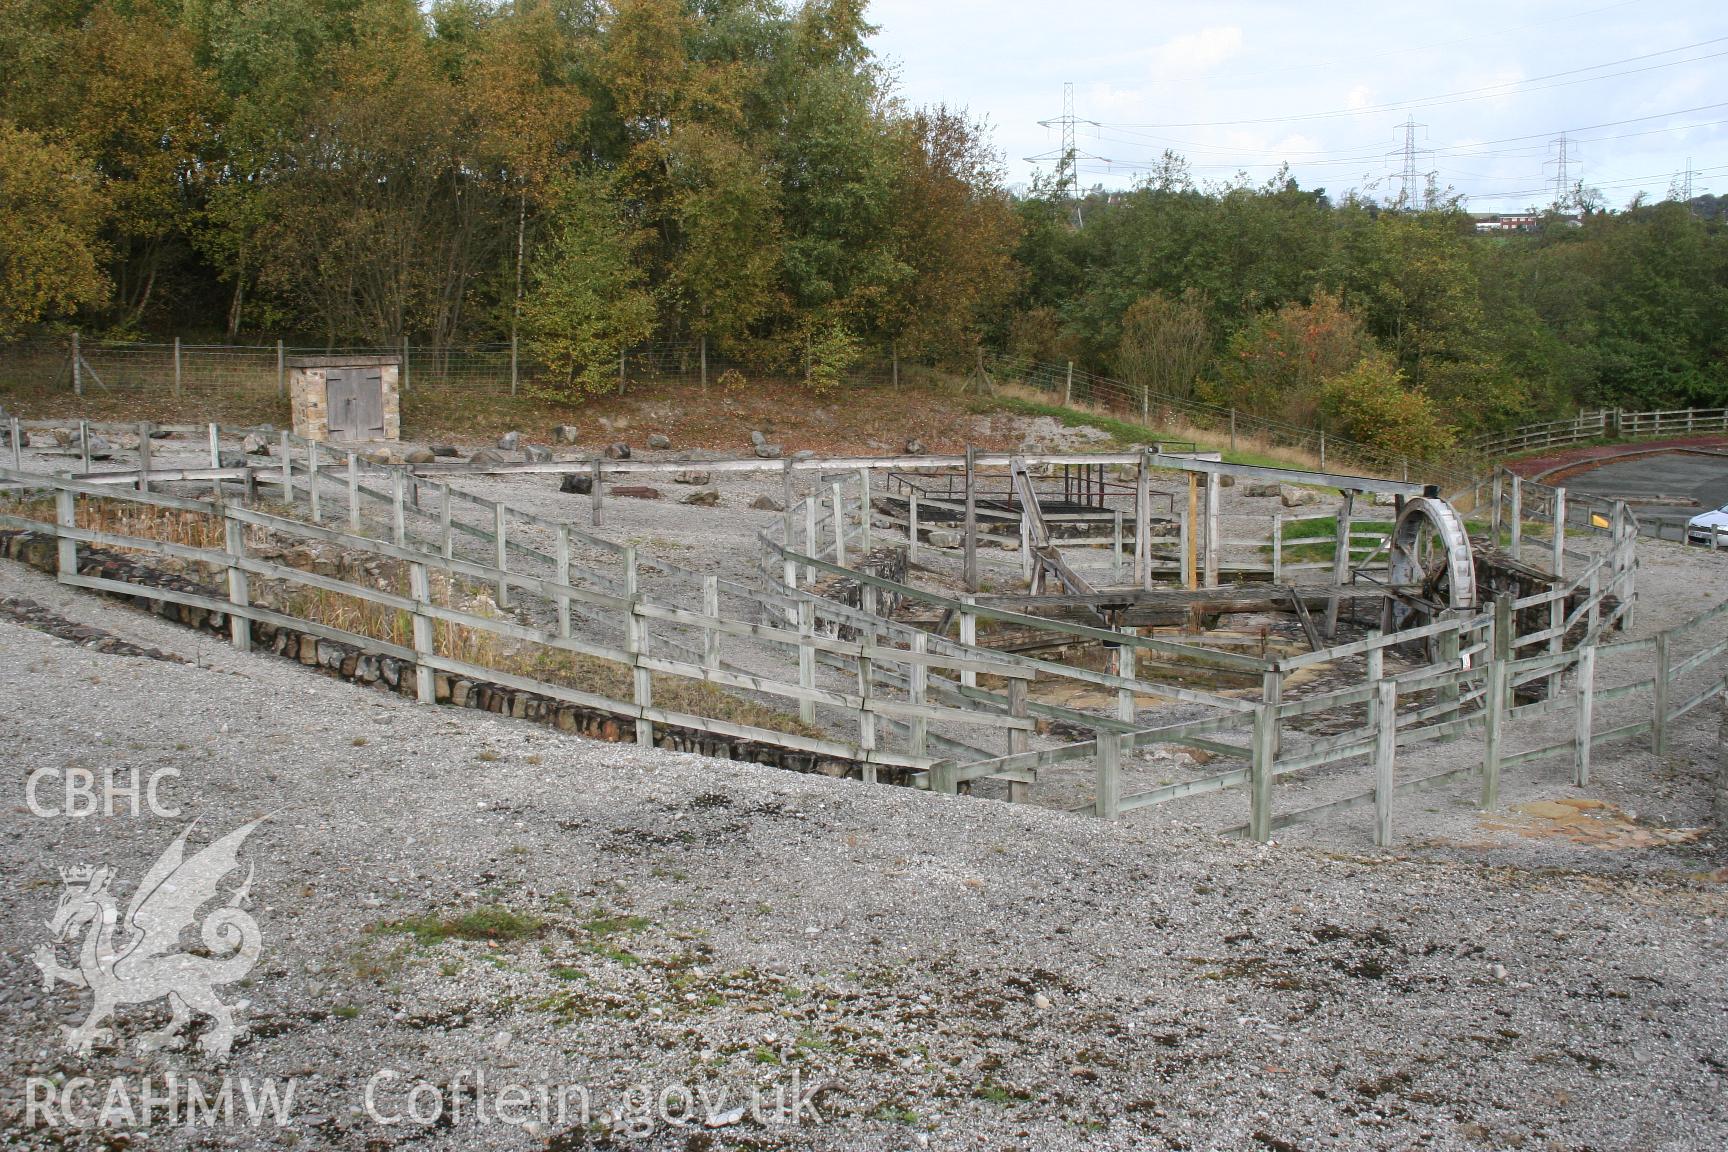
586,301
1276,364
51,206
1372,404
1164,345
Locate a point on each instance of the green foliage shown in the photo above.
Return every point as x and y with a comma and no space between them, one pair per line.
50,207
1275,364
587,302
1373,405
492,922
829,351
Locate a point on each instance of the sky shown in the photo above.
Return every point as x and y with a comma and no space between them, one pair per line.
1637,87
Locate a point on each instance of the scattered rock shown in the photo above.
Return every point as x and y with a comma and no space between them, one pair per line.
803,454
768,451
1293,497
420,456
697,478
618,451
605,423
757,439
229,459
564,434
636,491
1258,490
656,440
577,484
1385,500
255,445
1226,481
535,454
706,498
161,434
446,451
509,442
767,504
942,538
486,458
915,447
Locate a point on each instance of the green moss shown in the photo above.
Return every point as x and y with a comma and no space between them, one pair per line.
492,922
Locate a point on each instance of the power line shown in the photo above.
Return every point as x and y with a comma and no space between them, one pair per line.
1410,195
1562,171
1488,92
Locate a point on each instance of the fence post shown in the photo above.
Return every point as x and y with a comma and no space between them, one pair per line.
1018,740
1517,515
1559,533
17,445
1277,548
239,583
561,557
912,526
84,450
968,637
864,512
1448,644
918,677
77,367
1126,704
398,510
1385,753
406,374
807,658
1214,537
215,436
354,492
1659,726
812,544
1232,429
1142,502
710,609
66,550
176,366
839,518
446,538
1586,696
969,568
286,449
1494,699
1068,388
1260,773
1719,806
635,643
867,684
420,588
500,515
312,467
282,371
595,496
1498,496
144,455
1116,545
1107,782
512,363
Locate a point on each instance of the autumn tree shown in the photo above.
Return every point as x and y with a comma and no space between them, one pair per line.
1165,342
51,206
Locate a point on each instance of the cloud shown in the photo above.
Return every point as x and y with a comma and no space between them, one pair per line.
1198,51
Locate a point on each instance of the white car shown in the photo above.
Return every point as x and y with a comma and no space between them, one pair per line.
1700,528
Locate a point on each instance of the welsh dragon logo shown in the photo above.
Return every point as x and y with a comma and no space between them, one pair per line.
150,962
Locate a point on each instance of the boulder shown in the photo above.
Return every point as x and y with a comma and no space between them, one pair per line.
1293,497
535,454
802,455
767,504
486,458
915,447
706,498
1385,500
510,441
446,451
577,484
564,434
618,451
161,434
768,451
1226,481
228,459
942,538
255,445
636,491
1260,490
757,439
419,456
656,440
692,477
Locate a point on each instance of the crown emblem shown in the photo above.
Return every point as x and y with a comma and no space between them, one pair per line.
77,874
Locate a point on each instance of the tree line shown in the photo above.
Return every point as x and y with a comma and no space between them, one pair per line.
588,175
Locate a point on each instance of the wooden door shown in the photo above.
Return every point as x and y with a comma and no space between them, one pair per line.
354,399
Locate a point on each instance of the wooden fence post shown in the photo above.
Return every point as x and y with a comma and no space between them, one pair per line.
1494,699
710,609
969,573
286,450
446,538
1107,780
866,682
501,541
312,466
398,509
864,543
1340,557
912,526
561,557
17,445
1018,740
968,637
1272,692
1142,502
144,445
176,366
1277,548
354,493
1068,388
1559,561
420,588
595,493
1260,773
84,451
812,543
1385,753
1659,726
239,583
66,551
1586,688
807,658
1517,515
838,495
1448,643
1115,545
918,693
1494,512
636,644
1214,537
1126,704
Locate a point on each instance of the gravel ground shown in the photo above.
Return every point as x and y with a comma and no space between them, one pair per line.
948,972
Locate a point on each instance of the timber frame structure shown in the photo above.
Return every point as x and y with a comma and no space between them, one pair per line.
1470,671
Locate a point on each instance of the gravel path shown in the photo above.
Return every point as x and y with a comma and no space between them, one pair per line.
950,973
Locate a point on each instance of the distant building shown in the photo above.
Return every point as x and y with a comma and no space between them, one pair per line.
1491,222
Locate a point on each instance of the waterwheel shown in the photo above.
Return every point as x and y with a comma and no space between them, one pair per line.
1432,567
